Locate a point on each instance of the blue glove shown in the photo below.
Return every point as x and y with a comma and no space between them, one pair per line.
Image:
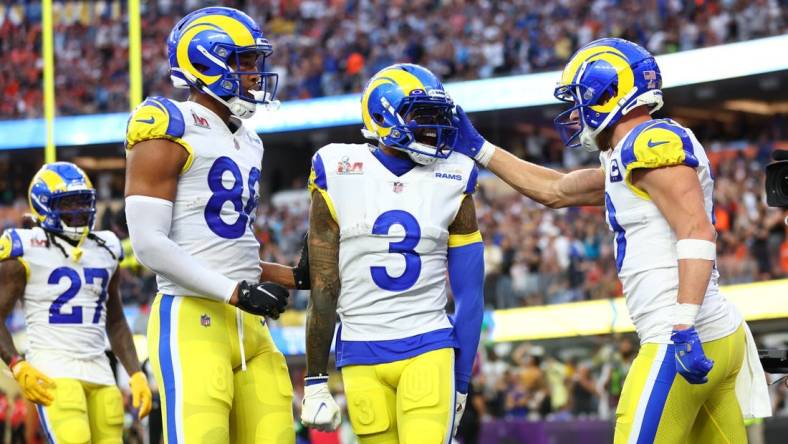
691,362
469,141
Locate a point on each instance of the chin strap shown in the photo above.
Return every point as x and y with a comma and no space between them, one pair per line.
76,253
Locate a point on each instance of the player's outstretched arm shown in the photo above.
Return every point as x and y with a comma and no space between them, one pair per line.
122,343
319,410
544,185
34,384
466,277
676,191
291,277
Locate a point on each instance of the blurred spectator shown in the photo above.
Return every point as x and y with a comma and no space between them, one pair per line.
327,48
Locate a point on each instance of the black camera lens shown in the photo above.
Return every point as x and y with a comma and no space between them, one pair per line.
777,184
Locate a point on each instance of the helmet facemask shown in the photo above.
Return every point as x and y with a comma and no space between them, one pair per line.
234,63
71,213
425,130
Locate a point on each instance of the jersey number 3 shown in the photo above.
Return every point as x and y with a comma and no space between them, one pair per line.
405,247
234,195
56,316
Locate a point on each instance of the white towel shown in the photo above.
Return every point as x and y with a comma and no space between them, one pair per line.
751,388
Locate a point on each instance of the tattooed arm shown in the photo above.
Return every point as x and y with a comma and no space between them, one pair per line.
324,274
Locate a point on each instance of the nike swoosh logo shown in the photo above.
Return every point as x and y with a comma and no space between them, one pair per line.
322,405
652,144
151,120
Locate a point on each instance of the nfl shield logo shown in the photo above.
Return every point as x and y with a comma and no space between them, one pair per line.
205,320
398,186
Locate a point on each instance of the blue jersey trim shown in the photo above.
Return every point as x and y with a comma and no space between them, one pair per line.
17,249
621,234
628,148
320,172
167,372
472,178
176,126
397,165
657,397
381,352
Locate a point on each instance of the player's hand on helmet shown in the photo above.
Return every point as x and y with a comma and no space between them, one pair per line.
459,408
141,397
469,141
691,362
319,410
301,271
34,384
263,298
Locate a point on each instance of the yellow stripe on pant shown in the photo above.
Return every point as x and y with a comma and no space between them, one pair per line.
659,406
83,412
205,395
407,402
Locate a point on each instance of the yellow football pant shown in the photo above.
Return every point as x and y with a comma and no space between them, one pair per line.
659,406
206,397
409,401
83,413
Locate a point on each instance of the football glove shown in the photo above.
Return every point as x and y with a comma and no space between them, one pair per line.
34,384
141,397
262,299
301,271
459,409
691,362
318,409
469,141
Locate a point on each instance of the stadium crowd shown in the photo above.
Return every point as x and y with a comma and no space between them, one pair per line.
330,47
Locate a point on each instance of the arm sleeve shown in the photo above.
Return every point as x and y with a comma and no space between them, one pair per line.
149,221
466,277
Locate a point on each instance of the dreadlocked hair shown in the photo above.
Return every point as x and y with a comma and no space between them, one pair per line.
101,243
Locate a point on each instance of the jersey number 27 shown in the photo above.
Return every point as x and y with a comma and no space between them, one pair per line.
56,316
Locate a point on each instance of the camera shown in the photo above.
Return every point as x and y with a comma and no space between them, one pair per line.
777,180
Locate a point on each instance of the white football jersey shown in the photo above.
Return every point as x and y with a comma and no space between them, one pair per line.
217,191
393,239
65,302
644,243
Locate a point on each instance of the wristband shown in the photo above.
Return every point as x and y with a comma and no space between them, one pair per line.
485,153
696,249
685,314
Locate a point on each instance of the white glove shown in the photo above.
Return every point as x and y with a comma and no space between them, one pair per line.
459,409
318,409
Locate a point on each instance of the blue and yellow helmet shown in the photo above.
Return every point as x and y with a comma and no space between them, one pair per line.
604,80
204,46
62,199
405,106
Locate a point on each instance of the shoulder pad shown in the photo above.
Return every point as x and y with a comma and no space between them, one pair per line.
155,118
11,245
658,144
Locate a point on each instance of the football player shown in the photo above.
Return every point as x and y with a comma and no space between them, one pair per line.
192,182
64,273
656,186
387,222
